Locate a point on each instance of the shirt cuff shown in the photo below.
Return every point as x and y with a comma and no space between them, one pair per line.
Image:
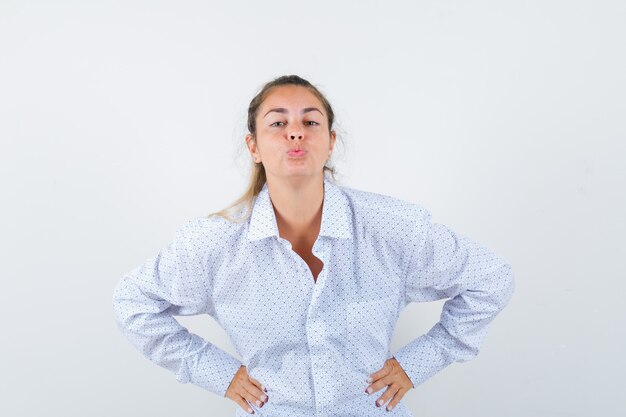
207,366
422,358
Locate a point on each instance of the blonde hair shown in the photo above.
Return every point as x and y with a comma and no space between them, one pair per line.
257,175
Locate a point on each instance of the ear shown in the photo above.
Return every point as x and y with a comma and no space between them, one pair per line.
333,138
252,148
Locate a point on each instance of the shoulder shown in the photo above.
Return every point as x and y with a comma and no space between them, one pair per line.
389,224
379,208
206,234
397,222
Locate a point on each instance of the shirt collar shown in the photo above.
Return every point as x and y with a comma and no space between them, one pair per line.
336,214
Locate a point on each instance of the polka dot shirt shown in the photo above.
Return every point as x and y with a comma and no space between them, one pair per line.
313,342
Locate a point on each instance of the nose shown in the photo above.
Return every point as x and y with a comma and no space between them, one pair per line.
295,133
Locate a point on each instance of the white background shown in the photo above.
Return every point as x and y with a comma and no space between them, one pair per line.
121,120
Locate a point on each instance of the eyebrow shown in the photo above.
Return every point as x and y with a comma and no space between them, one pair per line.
284,110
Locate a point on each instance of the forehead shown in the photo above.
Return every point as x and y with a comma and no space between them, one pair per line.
291,96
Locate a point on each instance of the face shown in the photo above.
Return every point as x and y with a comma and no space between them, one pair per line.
291,118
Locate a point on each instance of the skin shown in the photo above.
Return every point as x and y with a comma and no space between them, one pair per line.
296,186
392,377
243,389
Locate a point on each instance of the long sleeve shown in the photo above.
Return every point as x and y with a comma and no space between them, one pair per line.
174,282
444,264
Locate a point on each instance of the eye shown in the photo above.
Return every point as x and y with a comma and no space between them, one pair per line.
310,121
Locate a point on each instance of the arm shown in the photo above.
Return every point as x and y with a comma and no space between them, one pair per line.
174,282
444,264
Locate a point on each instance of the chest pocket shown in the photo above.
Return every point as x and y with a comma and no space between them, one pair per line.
370,328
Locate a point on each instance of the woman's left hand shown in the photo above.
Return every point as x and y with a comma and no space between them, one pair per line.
391,375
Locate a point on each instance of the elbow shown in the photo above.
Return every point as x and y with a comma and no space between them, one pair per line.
122,305
498,288
117,300
506,283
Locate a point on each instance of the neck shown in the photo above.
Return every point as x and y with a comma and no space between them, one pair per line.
297,203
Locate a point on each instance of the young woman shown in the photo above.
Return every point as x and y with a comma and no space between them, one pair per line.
308,279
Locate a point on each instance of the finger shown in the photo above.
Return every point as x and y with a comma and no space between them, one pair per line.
379,383
379,374
257,393
254,395
396,398
257,383
244,405
387,395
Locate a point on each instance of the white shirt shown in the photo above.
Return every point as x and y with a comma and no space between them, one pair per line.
313,344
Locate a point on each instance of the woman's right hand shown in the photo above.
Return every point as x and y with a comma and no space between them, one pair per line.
243,387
